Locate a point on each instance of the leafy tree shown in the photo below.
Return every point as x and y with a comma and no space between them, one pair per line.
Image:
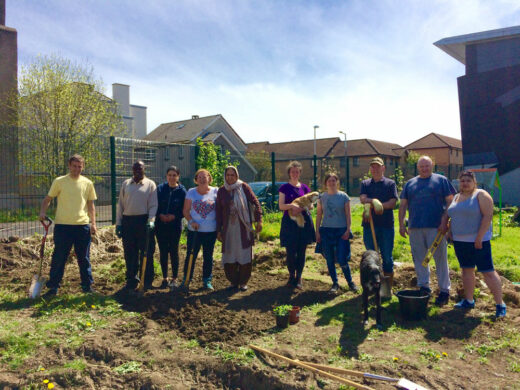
212,158
412,157
61,110
262,163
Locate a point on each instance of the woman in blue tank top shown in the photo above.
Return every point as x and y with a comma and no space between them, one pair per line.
471,214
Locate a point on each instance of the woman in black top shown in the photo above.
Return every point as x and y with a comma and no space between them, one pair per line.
168,225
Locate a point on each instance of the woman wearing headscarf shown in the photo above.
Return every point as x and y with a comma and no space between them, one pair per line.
236,202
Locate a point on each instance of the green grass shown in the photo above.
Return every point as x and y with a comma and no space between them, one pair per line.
65,320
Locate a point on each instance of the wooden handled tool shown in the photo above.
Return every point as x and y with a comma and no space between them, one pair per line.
310,368
432,249
344,371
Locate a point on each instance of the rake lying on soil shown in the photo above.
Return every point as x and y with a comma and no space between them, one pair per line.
324,371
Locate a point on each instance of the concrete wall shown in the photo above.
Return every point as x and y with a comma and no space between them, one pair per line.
133,116
8,87
510,188
121,94
139,122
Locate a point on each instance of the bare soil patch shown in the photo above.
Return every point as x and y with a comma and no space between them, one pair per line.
200,341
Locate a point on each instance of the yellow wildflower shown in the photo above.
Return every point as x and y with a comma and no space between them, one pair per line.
93,306
45,381
50,386
395,358
89,324
42,369
445,354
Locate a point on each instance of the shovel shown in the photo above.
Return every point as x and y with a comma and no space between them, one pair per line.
386,290
140,288
432,249
186,284
38,280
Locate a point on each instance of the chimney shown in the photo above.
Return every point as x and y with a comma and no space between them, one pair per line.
194,117
2,12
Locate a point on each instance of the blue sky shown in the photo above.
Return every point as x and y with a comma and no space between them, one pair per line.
273,68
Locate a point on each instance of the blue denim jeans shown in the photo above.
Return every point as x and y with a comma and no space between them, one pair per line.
66,236
335,249
385,242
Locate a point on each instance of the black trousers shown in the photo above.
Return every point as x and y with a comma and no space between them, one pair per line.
195,241
168,236
295,259
134,241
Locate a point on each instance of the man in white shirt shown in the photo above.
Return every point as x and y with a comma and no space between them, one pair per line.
136,209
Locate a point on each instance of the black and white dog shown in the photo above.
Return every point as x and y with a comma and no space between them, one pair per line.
371,274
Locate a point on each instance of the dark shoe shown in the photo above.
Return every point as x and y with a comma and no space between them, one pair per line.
334,289
464,304
442,299
299,284
50,293
208,286
501,311
353,287
291,282
164,284
425,290
88,290
243,288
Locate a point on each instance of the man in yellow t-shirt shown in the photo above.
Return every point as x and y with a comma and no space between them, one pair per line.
76,196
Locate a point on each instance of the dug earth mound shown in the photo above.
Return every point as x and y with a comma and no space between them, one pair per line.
164,340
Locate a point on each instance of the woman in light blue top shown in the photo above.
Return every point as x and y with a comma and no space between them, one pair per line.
333,230
471,214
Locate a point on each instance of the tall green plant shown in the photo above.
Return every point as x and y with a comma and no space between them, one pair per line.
212,158
398,177
61,110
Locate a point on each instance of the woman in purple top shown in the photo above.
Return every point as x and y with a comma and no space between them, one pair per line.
292,237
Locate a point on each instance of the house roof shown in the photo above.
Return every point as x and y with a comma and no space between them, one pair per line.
434,140
456,46
295,149
366,147
181,131
326,147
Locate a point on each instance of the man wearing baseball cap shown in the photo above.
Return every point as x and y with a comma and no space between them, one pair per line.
381,193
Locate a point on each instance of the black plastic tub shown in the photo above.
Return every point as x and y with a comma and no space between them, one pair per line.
413,304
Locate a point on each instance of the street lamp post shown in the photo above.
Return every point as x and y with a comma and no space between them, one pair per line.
347,185
315,183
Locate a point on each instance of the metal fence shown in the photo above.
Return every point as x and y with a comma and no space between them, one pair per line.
25,177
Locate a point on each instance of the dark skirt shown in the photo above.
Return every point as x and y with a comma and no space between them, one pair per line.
291,234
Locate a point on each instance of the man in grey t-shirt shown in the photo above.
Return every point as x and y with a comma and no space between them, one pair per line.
427,197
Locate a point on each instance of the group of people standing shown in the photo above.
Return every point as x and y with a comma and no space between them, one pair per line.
212,213
146,212
433,208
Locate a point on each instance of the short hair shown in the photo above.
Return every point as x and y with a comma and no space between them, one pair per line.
294,164
201,171
78,158
173,168
469,174
328,175
425,157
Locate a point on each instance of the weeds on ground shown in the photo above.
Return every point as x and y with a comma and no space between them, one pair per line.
128,368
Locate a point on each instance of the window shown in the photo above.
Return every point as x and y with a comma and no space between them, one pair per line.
457,153
342,162
355,161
